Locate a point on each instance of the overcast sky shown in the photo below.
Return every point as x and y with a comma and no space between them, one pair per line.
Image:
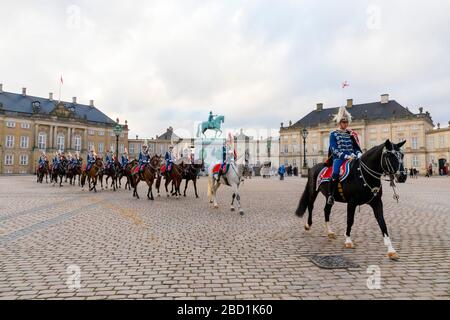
167,63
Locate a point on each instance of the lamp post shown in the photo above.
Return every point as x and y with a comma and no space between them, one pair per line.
305,165
117,131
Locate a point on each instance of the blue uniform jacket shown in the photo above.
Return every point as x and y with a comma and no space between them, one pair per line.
342,144
143,158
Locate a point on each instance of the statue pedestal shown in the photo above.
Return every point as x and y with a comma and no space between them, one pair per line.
209,150
304,172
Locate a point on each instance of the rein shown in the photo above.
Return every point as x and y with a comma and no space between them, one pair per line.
390,171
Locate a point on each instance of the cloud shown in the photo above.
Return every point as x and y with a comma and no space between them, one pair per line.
167,63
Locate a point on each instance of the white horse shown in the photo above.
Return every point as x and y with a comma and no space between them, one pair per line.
232,178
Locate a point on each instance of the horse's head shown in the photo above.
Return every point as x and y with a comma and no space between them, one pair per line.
155,161
392,158
99,162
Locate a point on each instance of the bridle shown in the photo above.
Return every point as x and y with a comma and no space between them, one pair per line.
388,170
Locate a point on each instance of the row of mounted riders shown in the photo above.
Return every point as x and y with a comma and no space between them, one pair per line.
150,172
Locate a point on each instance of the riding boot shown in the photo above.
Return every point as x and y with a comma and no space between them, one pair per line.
331,191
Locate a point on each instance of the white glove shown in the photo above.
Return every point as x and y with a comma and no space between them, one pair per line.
359,155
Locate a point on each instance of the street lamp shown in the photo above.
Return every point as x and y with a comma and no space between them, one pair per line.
305,165
117,131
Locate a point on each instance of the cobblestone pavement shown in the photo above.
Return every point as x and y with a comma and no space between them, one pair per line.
184,249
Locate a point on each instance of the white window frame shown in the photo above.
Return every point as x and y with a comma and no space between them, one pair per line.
131,147
59,145
121,148
10,124
42,141
25,125
24,143
414,143
23,160
77,142
101,133
101,147
9,141
90,132
9,159
90,145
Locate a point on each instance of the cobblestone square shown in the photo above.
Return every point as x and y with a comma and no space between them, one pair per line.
185,249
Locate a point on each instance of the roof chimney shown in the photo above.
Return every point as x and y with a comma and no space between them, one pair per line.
349,103
449,124
1,87
282,125
439,126
91,103
384,98
24,91
137,137
50,96
74,100
319,107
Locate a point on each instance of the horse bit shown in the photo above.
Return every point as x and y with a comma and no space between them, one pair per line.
377,175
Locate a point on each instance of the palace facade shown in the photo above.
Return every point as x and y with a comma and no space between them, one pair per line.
30,125
374,122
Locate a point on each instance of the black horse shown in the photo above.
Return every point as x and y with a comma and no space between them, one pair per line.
58,170
362,186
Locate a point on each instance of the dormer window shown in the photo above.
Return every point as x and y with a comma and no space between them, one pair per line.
36,106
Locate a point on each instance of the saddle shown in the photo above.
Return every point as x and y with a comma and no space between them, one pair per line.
326,172
216,169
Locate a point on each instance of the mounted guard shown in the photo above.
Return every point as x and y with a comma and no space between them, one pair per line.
144,158
109,159
90,160
344,145
42,159
169,157
125,158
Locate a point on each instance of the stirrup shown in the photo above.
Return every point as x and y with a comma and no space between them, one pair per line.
330,200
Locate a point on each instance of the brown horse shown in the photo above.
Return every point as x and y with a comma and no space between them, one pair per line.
150,173
73,171
41,171
176,175
126,172
92,174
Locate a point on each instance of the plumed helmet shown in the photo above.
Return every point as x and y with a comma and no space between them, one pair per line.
343,115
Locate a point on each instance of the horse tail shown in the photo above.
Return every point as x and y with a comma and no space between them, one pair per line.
304,201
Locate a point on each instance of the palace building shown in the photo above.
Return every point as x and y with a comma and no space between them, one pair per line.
374,122
29,125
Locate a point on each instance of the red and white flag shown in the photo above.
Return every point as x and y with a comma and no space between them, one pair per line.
345,84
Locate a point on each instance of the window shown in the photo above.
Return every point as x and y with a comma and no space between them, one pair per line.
414,143
9,141
101,147
9,159
90,132
131,146
60,142
23,159
415,161
121,148
442,142
112,134
314,148
101,133
90,145
373,130
42,140
10,124
400,129
24,141
385,129
414,127
25,125
314,161
77,143
286,149
325,143
430,142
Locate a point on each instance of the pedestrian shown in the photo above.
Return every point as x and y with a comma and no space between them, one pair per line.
281,172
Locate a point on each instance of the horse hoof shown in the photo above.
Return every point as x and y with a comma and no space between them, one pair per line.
307,227
331,235
232,208
241,212
393,256
216,206
349,245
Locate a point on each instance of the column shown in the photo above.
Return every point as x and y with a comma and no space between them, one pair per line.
84,141
69,138
55,137
50,137
36,133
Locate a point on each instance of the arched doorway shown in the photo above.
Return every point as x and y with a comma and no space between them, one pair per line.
442,167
